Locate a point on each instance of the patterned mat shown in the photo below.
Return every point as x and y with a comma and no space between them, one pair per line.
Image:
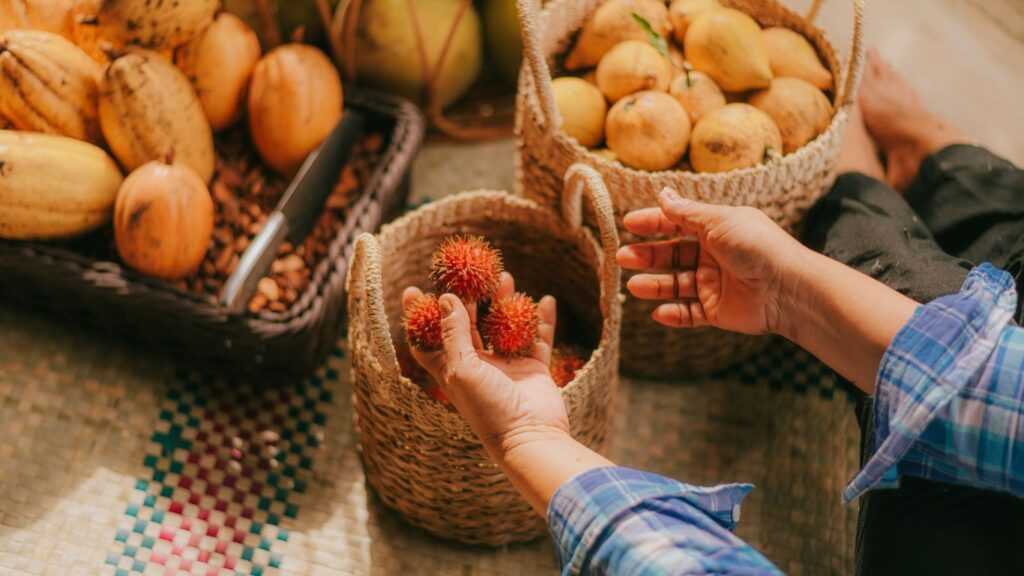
116,463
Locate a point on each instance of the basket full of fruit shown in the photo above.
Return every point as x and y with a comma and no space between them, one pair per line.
739,102
420,457
145,152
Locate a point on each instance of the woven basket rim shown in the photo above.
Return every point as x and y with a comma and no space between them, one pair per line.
787,161
580,234
110,274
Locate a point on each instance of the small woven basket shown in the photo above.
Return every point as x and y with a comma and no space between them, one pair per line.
422,459
784,189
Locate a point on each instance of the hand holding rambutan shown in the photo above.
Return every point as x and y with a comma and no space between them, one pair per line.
510,327
565,362
422,322
468,267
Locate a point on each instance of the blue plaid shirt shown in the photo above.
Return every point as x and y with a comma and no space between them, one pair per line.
949,407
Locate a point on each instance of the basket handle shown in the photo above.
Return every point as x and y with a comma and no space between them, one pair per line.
536,64
366,284
855,64
580,179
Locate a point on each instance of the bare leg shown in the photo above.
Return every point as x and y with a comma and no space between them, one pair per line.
904,130
859,153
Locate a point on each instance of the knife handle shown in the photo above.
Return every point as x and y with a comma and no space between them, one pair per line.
254,264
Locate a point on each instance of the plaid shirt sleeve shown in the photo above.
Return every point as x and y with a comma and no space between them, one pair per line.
620,521
949,400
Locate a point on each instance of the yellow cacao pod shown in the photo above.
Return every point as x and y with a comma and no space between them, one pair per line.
295,100
219,62
149,111
47,84
53,187
156,25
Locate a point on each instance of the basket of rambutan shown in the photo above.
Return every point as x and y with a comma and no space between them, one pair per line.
419,455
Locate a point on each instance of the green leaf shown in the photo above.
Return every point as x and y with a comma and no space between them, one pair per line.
652,35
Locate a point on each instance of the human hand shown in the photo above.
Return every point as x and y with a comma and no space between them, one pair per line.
733,274
506,401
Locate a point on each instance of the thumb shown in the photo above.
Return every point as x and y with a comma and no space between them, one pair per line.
690,215
455,326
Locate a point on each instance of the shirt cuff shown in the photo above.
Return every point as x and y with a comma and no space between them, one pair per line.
943,347
586,503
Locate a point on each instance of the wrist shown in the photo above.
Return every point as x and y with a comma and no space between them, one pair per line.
523,441
796,289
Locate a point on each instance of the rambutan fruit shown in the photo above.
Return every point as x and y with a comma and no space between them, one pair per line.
565,362
510,327
468,267
422,322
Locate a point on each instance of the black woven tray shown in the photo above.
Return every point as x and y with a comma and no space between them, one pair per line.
54,278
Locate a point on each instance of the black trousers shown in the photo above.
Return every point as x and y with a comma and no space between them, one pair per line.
965,207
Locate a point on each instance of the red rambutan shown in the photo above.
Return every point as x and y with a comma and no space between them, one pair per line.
468,267
510,327
423,323
565,362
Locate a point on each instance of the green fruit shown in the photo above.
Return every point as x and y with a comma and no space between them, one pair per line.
387,53
505,45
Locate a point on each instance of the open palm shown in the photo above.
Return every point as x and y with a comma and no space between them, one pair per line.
721,267
497,396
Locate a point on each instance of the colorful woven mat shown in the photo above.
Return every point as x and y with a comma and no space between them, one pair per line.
116,463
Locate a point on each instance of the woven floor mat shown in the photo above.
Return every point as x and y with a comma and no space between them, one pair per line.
116,463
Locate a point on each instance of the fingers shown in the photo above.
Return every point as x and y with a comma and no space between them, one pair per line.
675,286
688,214
688,314
457,331
678,254
649,222
548,314
506,286
410,295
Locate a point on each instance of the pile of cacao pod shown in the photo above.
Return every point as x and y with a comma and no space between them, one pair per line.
108,110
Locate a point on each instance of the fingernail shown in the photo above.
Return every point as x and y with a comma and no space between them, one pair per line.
446,306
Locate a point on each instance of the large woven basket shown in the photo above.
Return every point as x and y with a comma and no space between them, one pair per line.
103,293
784,189
421,458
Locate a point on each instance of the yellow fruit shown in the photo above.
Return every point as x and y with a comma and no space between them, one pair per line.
295,100
53,187
47,15
149,111
791,55
387,52
163,220
47,84
675,56
698,93
728,45
158,25
735,136
648,130
632,66
219,61
582,108
612,23
84,32
681,13
800,110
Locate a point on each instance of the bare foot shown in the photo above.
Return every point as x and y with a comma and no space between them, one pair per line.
903,128
859,153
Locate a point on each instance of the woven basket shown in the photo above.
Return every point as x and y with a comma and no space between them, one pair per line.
57,279
784,189
422,459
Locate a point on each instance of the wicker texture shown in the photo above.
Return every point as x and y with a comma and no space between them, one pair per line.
422,459
784,189
55,278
